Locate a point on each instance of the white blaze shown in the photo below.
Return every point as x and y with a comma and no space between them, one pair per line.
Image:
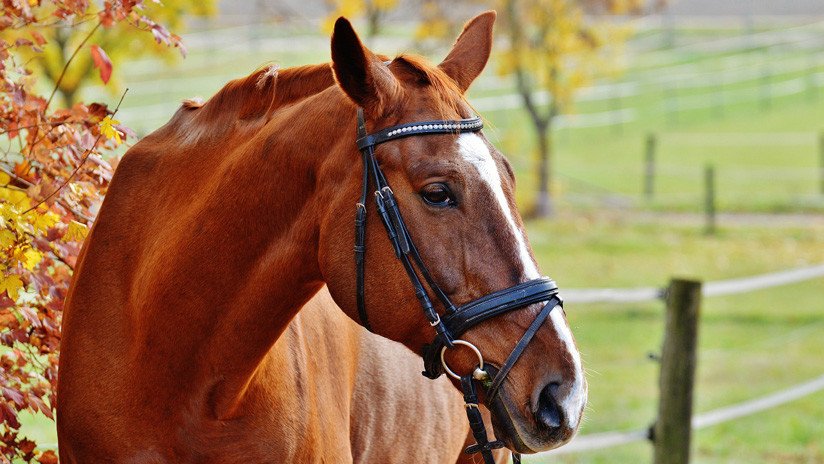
475,151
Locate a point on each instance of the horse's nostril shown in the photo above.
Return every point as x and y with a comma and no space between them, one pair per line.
549,412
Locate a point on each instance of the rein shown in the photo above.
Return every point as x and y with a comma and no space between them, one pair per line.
456,320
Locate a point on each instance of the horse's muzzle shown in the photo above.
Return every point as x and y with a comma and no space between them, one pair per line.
541,427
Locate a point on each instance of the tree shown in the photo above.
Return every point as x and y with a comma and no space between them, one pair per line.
555,46
53,173
116,41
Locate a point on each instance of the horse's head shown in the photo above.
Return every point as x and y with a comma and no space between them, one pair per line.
455,193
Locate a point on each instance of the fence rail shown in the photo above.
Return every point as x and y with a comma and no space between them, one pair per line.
597,441
717,288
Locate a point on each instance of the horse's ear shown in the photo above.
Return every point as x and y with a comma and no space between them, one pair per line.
471,51
362,75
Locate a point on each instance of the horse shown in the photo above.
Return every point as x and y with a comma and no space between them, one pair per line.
219,227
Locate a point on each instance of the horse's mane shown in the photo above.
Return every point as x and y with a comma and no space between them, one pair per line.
247,102
244,105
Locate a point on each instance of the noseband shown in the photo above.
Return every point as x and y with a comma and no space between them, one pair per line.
456,319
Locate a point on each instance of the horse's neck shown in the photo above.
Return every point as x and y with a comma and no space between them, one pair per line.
220,248
272,242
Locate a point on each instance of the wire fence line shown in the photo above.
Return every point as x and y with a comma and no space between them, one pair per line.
597,441
709,289
737,139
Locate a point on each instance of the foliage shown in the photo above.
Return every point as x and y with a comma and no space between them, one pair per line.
117,40
53,174
555,46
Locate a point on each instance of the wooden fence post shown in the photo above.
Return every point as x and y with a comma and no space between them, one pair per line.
649,169
821,160
709,199
672,429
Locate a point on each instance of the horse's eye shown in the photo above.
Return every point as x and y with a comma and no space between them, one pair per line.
437,194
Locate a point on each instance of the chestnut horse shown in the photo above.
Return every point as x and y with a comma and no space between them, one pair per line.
221,225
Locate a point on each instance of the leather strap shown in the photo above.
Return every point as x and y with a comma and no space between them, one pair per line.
476,423
485,307
360,234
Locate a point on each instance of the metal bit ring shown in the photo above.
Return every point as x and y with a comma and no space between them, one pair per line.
471,347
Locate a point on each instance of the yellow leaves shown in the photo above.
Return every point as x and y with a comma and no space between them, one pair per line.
558,47
108,130
7,238
384,5
75,232
31,258
12,195
430,29
18,230
42,222
11,284
351,9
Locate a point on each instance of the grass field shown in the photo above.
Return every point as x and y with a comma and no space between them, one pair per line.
764,148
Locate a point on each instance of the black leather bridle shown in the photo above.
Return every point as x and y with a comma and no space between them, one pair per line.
456,319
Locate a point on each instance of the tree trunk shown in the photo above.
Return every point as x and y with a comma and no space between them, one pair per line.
543,202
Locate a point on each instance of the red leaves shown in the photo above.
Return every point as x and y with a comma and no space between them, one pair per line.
55,180
13,395
102,62
48,458
38,38
62,162
8,415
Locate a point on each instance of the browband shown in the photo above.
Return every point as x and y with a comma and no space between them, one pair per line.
418,128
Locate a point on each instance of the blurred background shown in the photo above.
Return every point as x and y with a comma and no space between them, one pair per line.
650,140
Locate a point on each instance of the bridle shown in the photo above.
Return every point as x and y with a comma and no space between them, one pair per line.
456,319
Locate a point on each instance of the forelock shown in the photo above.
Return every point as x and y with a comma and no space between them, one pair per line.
423,74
